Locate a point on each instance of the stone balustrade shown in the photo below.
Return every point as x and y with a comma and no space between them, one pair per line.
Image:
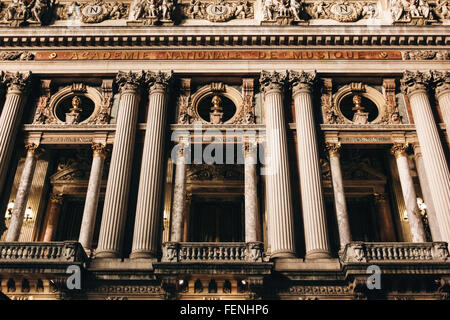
212,252
35,252
395,252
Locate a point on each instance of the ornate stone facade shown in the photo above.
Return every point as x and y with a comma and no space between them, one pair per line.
184,143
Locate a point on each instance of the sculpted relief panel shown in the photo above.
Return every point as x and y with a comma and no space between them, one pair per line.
19,13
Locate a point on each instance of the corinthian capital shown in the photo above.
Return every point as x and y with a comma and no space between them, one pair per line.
441,80
158,80
399,149
333,149
18,81
129,81
301,81
415,81
272,80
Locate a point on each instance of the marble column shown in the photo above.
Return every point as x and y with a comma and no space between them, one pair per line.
187,207
442,85
23,191
339,195
426,193
11,114
54,209
250,192
414,84
92,194
149,202
409,194
279,199
314,217
179,195
387,231
117,188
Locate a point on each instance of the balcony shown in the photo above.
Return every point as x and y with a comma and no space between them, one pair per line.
19,253
215,252
395,252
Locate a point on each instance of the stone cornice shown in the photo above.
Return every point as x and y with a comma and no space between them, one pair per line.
217,36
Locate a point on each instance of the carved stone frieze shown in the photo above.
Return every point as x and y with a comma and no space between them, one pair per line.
425,55
19,13
283,12
414,12
343,11
151,12
214,172
218,10
16,55
92,12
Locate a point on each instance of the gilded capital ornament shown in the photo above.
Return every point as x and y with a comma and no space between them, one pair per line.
272,81
399,150
99,150
18,82
249,148
334,149
302,81
441,80
129,81
33,150
415,81
158,80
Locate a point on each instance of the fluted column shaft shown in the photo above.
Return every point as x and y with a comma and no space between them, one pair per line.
436,167
279,198
442,82
339,195
53,212
314,218
23,191
149,202
179,197
409,194
92,194
118,185
426,193
250,192
10,118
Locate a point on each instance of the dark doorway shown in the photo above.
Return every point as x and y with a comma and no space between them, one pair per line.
217,220
70,220
362,218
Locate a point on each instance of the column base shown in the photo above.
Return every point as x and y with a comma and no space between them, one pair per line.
317,254
142,255
106,254
282,255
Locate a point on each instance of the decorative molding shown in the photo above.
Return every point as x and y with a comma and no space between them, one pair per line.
425,55
16,55
95,11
